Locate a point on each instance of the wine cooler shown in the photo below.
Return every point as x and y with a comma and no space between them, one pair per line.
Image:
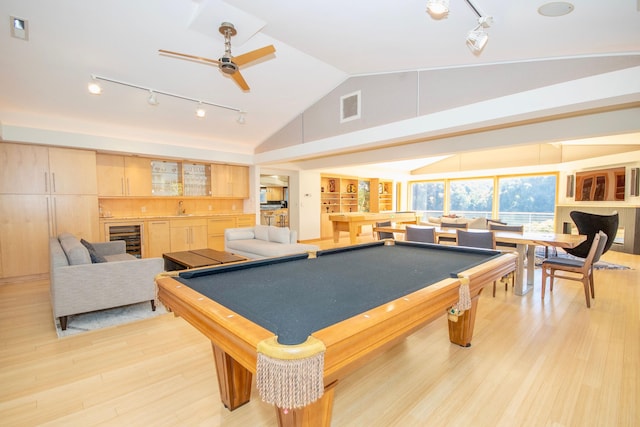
131,233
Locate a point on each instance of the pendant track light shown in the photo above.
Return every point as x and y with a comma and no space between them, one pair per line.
476,38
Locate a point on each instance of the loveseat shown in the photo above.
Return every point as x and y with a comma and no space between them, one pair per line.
87,277
263,241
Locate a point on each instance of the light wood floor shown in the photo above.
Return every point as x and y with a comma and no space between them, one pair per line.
532,363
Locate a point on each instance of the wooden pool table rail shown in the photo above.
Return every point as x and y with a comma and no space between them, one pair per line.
349,344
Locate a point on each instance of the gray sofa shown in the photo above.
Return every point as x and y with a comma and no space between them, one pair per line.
263,241
105,277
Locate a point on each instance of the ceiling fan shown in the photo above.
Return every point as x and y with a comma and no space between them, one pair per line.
228,63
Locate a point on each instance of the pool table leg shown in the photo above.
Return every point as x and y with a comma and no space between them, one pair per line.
461,332
318,414
233,378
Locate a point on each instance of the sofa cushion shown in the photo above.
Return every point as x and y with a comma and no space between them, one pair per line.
279,234
95,256
240,234
478,223
269,249
261,232
75,251
119,257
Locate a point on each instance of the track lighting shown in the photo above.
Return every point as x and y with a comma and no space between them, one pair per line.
241,119
94,88
153,99
200,112
476,38
438,9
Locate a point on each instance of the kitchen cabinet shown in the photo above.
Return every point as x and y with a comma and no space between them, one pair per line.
123,175
187,234
215,229
158,238
275,194
72,171
229,181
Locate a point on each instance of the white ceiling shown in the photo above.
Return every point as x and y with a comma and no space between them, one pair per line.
319,44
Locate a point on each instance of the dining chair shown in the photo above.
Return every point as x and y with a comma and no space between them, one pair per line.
477,239
580,270
509,247
420,233
445,239
590,224
383,234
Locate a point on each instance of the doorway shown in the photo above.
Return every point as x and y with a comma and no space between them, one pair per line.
274,200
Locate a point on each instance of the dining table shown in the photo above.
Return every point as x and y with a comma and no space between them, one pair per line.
525,246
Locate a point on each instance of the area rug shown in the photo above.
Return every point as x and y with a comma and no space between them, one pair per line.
600,265
94,320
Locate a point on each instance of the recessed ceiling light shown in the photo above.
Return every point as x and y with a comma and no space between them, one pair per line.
556,8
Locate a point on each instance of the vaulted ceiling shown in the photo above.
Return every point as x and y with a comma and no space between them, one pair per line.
319,45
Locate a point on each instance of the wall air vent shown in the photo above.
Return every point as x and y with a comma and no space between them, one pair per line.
350,107
19,28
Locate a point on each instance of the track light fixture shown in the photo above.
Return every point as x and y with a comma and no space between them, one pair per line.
476,38
438,9
94,88
153,99
200,112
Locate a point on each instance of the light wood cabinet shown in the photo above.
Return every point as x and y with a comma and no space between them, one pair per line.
72,171
24,234
229,181
158,238
44,191
24,169
275,194
187,234
216,227
123,175
381,195
246,220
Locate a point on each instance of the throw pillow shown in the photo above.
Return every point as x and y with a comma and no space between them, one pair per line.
261,232
279,234
95,256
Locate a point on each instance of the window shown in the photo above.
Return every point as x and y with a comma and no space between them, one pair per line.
471,198
516,200
528,201
428,197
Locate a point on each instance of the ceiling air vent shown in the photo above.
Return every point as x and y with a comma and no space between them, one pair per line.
19,28
350,107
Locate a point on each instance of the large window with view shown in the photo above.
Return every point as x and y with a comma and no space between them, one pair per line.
516,200
428,198
472,198
528,201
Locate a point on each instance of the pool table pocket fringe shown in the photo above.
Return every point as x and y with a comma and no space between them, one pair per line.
464,300
290,377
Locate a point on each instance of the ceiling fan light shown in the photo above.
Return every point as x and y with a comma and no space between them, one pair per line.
477,39
438,8
153,99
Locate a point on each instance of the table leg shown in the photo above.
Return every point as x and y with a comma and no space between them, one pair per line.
318,414
521,284
353,234
233,378
461,332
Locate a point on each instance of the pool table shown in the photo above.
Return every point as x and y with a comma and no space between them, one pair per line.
303,322
352,222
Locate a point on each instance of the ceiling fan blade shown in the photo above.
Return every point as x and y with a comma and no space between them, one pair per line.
245,58
240,80
184,55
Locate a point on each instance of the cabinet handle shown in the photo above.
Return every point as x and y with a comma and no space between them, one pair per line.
49,218
53,181
122,186
46,182
128,187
